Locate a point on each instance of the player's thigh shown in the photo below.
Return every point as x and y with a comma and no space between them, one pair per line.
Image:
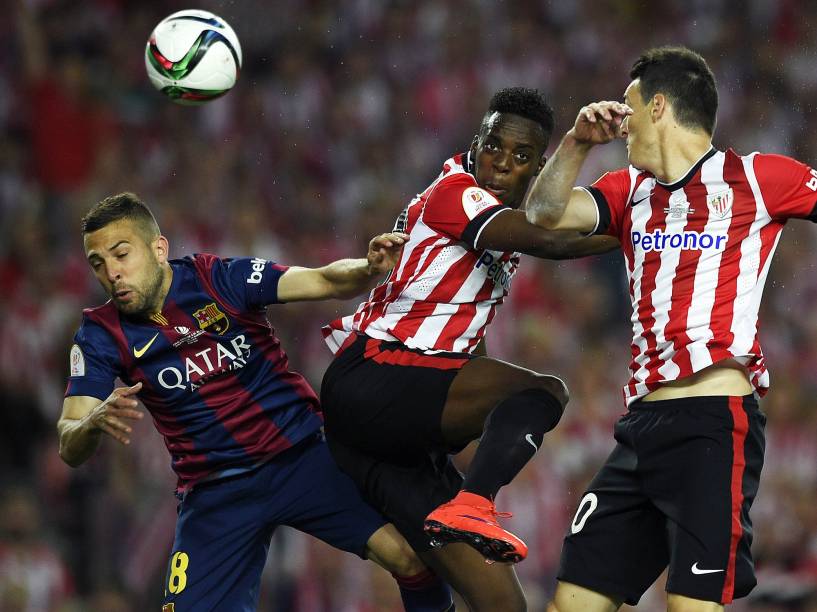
484,587
322,501
616,543
574,598
386,400
704,479
479,386
219,549
680,603
404,494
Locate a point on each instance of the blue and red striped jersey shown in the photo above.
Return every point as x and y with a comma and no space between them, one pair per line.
214,376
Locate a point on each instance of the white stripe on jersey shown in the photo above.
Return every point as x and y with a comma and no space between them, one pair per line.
749,290
640,216
662,296
699,331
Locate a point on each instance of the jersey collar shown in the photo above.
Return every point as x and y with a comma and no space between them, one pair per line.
681,182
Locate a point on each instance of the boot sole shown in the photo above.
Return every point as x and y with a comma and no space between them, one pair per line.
492,549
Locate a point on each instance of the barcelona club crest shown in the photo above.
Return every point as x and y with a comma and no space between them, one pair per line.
211,319
720,204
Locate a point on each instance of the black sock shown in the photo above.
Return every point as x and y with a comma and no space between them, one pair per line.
424,592
513,433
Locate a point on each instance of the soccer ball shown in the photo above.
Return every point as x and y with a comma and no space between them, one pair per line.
192,57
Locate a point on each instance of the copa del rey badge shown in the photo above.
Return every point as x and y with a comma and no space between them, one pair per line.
720,204
476,200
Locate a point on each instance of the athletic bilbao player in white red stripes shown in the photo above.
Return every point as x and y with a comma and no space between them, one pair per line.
409,383
698,228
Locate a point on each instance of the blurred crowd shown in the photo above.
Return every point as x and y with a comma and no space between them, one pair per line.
343,111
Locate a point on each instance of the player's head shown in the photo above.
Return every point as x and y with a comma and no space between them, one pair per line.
671,86
510,147
127,253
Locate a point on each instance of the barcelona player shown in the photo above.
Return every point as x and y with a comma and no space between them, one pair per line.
698,228
191,339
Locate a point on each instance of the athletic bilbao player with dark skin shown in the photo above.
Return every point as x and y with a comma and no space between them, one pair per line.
190,338
410,382
698,229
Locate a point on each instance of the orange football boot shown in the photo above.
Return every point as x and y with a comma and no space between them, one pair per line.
471,518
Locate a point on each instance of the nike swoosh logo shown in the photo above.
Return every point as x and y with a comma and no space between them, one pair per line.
529,438
698,571
139,352
646,197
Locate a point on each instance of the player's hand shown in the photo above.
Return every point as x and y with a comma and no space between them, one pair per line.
384,251
112,415
600,122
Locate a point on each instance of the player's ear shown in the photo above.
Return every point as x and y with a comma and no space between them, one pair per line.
541,165
162,249
471,158
659,106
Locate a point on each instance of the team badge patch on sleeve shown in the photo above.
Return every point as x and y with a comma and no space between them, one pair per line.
77,361
476,200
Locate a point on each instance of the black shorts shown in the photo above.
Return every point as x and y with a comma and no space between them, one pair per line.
382,404
386,400
675,491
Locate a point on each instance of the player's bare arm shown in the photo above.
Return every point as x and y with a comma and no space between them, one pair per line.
84,419
344,278
552,202
511,231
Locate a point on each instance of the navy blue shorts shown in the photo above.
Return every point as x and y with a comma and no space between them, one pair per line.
224,528
676,491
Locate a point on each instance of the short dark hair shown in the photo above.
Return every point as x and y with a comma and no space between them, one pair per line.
117,208
525,102
684,77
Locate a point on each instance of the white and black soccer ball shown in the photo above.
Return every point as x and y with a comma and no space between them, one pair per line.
193,56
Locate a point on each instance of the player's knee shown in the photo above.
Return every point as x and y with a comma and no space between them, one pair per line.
390,550
556,387
407,563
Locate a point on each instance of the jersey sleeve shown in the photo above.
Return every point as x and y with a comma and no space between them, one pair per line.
94,362
789,187
247,283
610,192
460,209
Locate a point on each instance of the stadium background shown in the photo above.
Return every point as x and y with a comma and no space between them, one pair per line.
343,111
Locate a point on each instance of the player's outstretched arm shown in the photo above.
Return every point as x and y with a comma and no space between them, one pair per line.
84,419
344,278
552,202
511,231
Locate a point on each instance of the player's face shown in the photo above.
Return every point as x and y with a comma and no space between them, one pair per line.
507,154
638,128
127,266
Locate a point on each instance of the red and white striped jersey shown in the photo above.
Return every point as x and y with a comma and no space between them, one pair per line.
443,292
698,252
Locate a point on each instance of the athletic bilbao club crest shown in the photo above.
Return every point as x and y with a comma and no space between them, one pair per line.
720,204
211,319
